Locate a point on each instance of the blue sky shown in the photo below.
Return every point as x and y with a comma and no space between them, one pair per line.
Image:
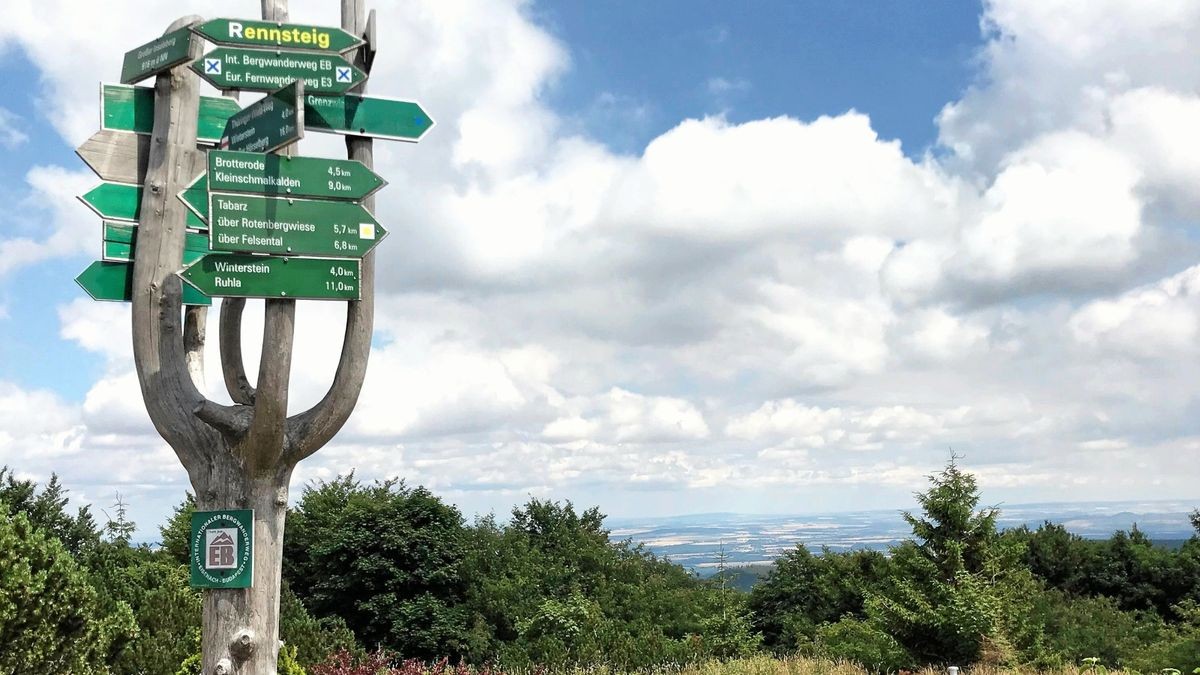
636,70
897,61
680,257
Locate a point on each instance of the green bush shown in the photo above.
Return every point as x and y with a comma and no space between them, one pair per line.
50,616
860,642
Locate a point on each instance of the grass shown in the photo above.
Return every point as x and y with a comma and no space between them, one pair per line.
753,665
799,665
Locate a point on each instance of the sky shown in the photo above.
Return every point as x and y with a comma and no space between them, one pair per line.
685,257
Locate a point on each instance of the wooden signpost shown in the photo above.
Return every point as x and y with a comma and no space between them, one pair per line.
276,227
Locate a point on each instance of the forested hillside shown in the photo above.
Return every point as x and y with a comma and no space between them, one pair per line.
385,572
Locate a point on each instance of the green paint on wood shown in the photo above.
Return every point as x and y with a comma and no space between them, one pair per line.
252,276
120,240
251,33
258,70
276,175
255,224
126,108
122,201
268,124
114,281
385,118
156,56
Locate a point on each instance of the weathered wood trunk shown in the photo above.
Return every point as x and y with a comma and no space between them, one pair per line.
239,456
241,626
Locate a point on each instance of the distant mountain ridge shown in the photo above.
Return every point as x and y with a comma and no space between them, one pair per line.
695,540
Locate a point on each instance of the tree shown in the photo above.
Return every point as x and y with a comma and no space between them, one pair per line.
803,591
50,619
958,593
47,510
177,530
239,456
385,558
1063,560
120,529
728,633
164,607
951,533
551,582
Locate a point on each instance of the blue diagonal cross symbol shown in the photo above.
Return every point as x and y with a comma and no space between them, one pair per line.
212,66
343,75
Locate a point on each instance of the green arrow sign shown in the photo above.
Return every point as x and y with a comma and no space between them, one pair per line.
114,281
256,70
250,33
387,118
195,197
269,124
291,176
121,201
156,56
120,240
125,108
254,224
256,276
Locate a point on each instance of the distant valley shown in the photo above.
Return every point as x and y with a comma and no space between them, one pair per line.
696,541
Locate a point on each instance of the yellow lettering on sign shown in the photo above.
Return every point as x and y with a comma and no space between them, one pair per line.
312,36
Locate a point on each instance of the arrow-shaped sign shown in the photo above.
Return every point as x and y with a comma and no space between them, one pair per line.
122,201
117,156
125,108
276,175
121,157
114,281
386,118
120,241
251,33
257,70
157,55
257,276
270,123
254,224
195,197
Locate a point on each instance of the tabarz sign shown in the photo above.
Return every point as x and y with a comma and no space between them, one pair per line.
222,549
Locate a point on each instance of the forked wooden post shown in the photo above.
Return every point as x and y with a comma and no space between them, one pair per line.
239,456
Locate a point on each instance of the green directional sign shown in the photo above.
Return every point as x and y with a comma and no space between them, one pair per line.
386,118
114,281
156,56
125,108
278,175
221,549
257,276
120,239
257,70
270,123
251,33
195,197
255,224
121,201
